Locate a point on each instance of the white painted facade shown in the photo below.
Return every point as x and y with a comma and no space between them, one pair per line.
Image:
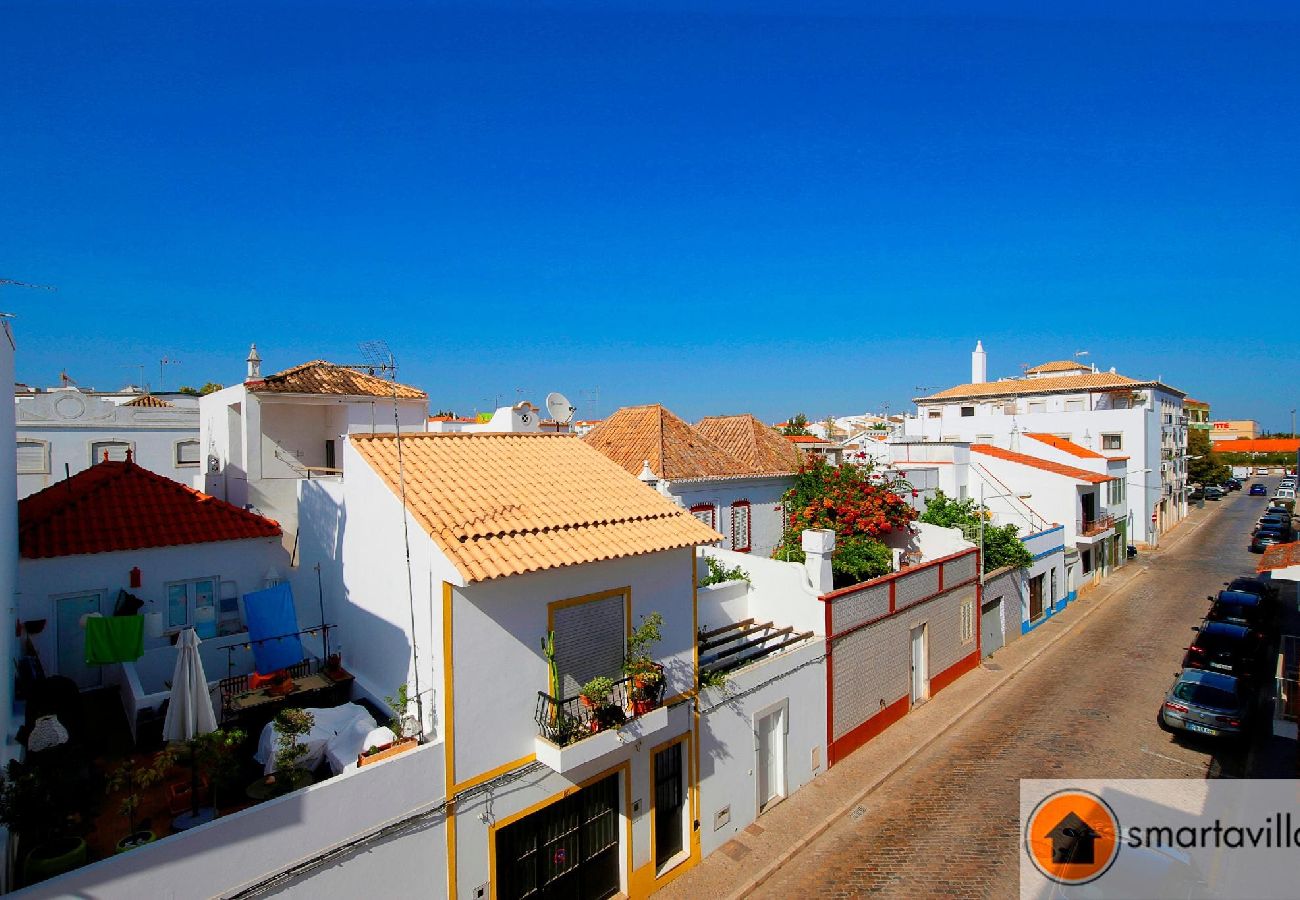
65,431
8,544
741,509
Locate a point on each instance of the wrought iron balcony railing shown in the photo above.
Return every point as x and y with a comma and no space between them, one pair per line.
1089,527
568,720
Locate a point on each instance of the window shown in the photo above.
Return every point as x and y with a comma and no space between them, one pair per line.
33,458
967,621
933,414
983,438
741,530
1112,442
590,639
703,512
116,450
1074,406
193,603
187,453
1037,406
967,411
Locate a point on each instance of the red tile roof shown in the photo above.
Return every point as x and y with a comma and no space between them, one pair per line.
321,377
150,401
675,450
119,506
1062,444
752,442
1280,556
1036,463
804,439
1258,445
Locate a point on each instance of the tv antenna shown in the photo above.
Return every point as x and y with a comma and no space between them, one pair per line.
593,398
378,360
1079,353
560,408
36,287
162,370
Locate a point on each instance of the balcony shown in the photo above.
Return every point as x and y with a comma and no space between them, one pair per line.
1094,529
571,732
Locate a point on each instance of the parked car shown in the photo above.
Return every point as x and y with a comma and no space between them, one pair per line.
1208,703
1279,519
1213,492
1256,586
1264,539
1232,484
1196,495
1241,608
1258,490
1235,650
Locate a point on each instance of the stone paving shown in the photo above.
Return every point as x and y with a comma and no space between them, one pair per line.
930,808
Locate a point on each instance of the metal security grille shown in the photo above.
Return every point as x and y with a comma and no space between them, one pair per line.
590,639
670,796
567,850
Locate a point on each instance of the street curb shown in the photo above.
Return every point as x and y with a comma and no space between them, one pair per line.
772,868
1115,585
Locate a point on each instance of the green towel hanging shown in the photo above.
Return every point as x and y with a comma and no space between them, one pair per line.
111,639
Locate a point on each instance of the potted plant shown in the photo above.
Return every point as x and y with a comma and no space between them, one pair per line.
646,674
134,778
597,695
34,803
290,724
402,724
218,759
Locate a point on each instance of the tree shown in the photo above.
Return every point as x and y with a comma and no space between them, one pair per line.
798,424
210,388
444,414
859,510
1001,545
1202,467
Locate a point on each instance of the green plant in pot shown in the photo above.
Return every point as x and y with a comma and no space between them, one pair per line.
291,724
646,674
598,696
134,777
218,759
402,724
34,803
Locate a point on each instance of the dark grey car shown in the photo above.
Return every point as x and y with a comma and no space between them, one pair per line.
1208,703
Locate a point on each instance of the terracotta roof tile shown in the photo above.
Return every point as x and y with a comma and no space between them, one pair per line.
500,504
320,377
150,401
1060,365
1066,446
120,506
1279,556
1045,465
1256,445
752,442
676,451
1092,381
804,439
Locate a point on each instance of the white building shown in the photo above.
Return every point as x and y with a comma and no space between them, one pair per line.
261,438
8,543
731,472
513,537
66,430
1101,411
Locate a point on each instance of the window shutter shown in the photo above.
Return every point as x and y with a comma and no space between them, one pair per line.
31,458
116,451
590,639
740,530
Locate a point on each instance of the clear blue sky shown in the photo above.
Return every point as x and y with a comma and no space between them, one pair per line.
771,210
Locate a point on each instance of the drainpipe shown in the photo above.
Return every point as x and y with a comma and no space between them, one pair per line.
818,544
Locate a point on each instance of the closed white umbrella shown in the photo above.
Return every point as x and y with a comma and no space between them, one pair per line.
189,714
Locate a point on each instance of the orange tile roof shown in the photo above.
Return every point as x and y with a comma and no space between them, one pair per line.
1279,556
1036,463
1092,381
1188,401
500,504
752,442
1256,445
804,439
1060,365
1069,447
676,451
150,401
119,506
320,377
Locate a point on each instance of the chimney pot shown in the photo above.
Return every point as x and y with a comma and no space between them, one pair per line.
818,544
979,364
254,363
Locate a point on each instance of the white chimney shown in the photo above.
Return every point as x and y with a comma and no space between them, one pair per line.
254,364
647,476
818,544
979,364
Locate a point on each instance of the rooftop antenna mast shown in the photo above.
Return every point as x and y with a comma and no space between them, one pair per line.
162,370
593,399
379,360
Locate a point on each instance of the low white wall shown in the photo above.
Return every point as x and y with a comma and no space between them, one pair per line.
243,849
778,592
728,748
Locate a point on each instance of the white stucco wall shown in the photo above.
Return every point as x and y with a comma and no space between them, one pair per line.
243,563
8,542
778,592
795,681
763,494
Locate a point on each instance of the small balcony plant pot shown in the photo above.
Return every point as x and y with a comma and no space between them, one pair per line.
373,755
54,857
135,839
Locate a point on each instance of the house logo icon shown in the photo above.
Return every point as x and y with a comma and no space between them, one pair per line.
1072,837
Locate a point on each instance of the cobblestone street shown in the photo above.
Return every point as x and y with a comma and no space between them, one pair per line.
946,822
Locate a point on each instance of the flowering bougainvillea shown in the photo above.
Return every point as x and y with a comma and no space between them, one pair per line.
853,503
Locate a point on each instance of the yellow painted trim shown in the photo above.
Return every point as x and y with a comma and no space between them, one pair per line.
678,698
625,767
695,626
692,799
449,750
451,852
492,773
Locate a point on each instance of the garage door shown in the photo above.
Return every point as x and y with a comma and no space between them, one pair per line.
990,626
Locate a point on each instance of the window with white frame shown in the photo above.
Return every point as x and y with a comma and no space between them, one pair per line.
33,457
1037,406
192,603
187,453
967,411
933,413
967,621
704,512
116,451
1112,442
741,529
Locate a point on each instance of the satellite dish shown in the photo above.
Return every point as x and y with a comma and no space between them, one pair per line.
559,407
